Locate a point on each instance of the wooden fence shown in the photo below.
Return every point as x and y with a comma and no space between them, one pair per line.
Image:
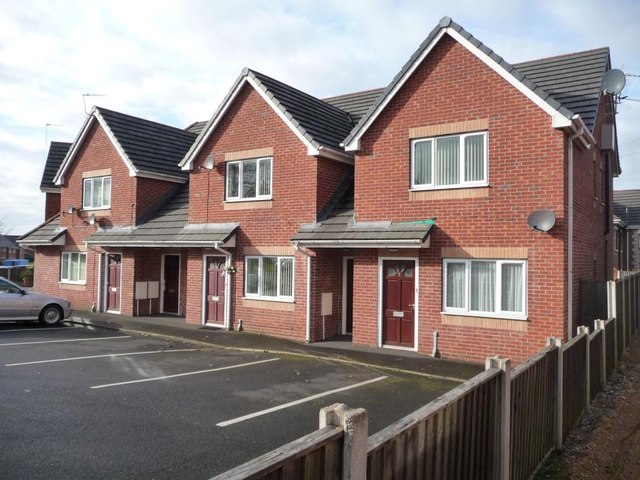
501,424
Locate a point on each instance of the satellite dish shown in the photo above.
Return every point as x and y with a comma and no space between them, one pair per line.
613,82
92,219
542,220
209,163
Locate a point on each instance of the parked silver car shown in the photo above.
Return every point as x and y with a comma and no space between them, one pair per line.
17,303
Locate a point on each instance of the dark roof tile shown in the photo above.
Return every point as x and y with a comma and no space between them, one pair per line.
151,147
57,152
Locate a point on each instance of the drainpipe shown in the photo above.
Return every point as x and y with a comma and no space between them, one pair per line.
570,236
227,285
307,253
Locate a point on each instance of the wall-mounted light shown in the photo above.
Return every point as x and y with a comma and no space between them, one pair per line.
71,208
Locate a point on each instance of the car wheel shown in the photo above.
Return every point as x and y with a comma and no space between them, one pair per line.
51,315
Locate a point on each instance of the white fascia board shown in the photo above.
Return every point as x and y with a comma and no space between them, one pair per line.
312,150
364,244
75,146
116,144
354,144
558,120
335,155
159,176
187,162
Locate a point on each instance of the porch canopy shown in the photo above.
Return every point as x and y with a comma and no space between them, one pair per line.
336,227
47,234
168,227
340,230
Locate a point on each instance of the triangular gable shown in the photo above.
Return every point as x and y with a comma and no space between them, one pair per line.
561,116
281,98
93,117
99,115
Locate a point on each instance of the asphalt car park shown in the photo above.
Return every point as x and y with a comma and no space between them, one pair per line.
94,403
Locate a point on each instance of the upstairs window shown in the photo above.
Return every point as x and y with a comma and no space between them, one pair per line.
249,179
96,193
451,161
269,278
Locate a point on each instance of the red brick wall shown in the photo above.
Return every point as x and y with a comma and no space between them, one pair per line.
250,123
51,204
150,192
526,173
593,249
47,277
130,197
327,277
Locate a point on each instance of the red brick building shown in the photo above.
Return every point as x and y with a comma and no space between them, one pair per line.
398,216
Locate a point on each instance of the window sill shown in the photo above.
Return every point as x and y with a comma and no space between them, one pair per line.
493,323
72,286
283,305
451,193
498,316
96,209
247,204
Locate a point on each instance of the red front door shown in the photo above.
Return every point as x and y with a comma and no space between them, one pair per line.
114,267
398,302
171,294
215,290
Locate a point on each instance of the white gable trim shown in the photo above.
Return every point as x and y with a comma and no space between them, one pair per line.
116,144
68,159
312,150
558,120
66,162
355,142
186,163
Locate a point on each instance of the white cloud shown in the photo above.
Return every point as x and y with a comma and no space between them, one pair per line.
173,61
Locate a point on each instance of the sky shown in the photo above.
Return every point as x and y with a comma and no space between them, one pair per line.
173,61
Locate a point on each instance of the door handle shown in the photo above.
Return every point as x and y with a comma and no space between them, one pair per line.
412,305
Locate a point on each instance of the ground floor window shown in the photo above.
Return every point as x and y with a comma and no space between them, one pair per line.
485,287
73,267
269,278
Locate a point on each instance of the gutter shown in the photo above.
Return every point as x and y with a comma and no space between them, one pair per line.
307,253
577,134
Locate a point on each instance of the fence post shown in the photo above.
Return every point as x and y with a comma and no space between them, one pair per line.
611,299
355,423
504,442
556,342
587,381
599,325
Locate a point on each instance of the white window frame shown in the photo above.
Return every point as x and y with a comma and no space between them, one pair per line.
463,183
240,197
259,296
65,277
91,182
498,313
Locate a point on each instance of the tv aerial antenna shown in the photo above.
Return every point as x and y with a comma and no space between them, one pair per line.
46,131
84,99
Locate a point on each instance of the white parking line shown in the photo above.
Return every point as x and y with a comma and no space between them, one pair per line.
68,359
63,341
297,402
32,329
184,374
